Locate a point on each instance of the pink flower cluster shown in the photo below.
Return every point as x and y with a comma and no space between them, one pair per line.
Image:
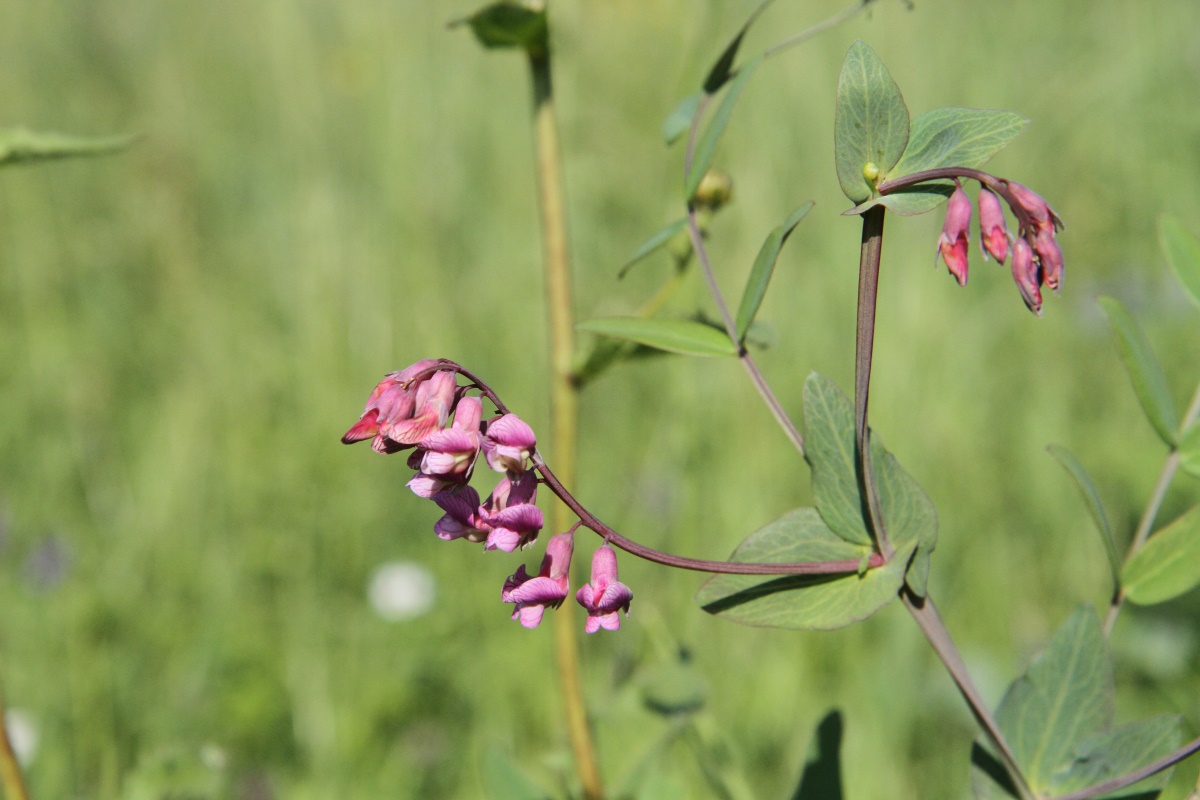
423,409
1036,258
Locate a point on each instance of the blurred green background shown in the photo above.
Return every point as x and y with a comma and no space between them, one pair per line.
324,192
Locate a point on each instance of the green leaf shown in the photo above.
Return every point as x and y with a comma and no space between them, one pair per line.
1148,381
721,70
1120,751
680,119
1091,498
19,145
908,513
802,602
676,687
908,201
1182,250
870,123
1189,450
508,23
822,775
504,780
1064,696
764,267
675,336
706,147
656,241
1168,564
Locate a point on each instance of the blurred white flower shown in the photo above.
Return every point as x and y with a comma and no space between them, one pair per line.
401,590
22,733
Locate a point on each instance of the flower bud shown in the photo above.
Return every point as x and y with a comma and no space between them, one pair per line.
993,232
952,244
1025,273
1050,256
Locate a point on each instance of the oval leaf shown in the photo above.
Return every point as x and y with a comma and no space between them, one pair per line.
801,602
764,267
657,240
706,148
908,512
910,200
870,123
1183,255
1148,381
1091,498
1120,751
957,137
18,145
1168,564
1189,450
675,336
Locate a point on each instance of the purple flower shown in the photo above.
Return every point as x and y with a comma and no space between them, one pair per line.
952,244
508,444
993,232
447,457
391,401
604,596
431,406
511,514
462,519
1026,274
533,595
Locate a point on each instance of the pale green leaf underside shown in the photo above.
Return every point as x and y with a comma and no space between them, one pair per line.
1119,751
1064,697
19,145
1149,384
1091,498
764,267
799,602
908,512
870,121
1168,564
1182,250
675,336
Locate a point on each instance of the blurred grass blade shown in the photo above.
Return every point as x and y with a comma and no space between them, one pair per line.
674,336
20,145
1091,499
504,780
657,240
707,146
822,775
870,121
764,267
1168,564
1148,381
1182,250
1189,450
506,24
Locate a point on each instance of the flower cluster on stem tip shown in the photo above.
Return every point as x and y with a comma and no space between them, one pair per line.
422,408
1036,258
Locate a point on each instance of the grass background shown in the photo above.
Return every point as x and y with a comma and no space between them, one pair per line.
324,192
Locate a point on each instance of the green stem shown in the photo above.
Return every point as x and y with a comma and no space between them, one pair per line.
564,398
1170,467
10,769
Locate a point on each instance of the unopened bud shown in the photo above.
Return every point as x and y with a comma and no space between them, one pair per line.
714,191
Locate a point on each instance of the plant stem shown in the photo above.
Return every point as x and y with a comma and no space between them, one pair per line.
926,615
864,345
564,402
1170,467
10,769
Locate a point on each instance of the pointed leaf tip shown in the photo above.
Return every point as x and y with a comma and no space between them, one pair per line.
871,125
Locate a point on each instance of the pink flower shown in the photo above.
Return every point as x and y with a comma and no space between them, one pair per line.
508,444
1050,257
993,232
392,400
533,595
462,519
431,407
1026,274
605,595
511,514
952,244
1039,210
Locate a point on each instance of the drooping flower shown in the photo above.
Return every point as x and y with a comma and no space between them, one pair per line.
1039,210
952,244
431,407
993,231
511,514
1050,257
604,596
534,594
1025,272
448,456
391,401
462,519
508,444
